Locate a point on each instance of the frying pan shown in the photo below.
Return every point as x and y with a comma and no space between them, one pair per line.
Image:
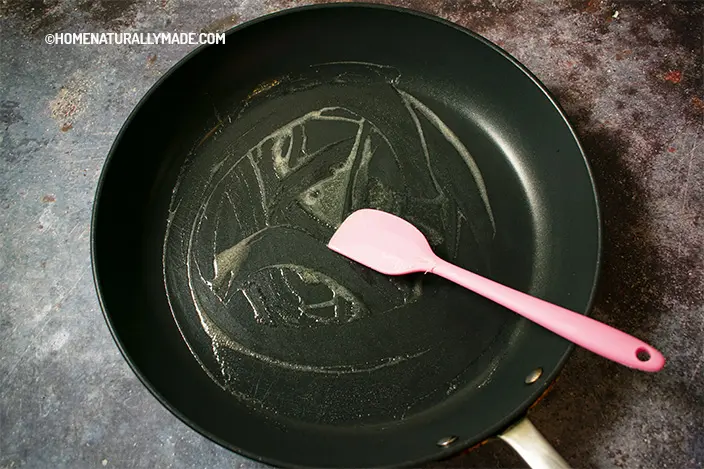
226,182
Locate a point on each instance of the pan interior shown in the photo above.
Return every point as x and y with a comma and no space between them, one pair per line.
295,330
221,191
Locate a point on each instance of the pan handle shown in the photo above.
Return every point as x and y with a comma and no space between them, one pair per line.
527,441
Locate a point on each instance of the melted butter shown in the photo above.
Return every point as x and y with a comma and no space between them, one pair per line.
382,197
284,137
312,277
327,200
412,103
228,262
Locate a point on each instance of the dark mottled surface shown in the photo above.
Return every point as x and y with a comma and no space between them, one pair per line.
630,76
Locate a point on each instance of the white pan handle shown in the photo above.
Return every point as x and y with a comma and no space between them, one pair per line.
527,441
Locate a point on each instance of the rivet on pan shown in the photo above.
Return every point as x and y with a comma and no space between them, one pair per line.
534,375
446,441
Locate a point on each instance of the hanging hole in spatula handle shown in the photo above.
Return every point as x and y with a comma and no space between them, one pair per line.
582,330
643,354
618,346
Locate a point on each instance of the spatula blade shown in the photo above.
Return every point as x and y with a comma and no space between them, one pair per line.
383,242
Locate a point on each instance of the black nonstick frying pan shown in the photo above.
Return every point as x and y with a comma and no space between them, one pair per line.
222,189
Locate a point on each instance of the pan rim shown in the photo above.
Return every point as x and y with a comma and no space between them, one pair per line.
540,389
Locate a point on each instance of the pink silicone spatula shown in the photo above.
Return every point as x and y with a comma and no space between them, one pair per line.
393,246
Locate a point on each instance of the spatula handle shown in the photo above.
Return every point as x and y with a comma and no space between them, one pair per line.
586,332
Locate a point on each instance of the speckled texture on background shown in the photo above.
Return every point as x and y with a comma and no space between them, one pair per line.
628,73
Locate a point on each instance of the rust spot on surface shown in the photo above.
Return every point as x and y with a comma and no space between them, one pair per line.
151,58
544,394
223,24
472,448
698,103
623,54
671,149
673,76
48,198
592,6
68,102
